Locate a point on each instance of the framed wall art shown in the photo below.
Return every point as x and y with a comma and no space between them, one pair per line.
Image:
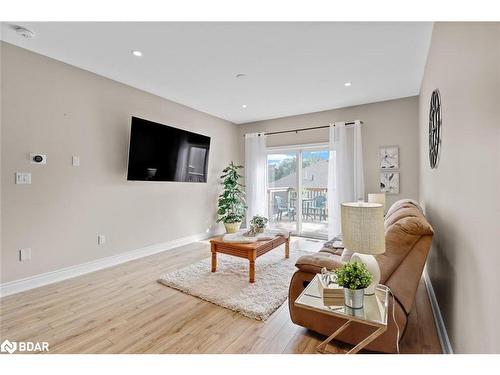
389,182
389,157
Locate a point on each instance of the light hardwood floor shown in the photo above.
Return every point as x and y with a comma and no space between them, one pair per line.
124,310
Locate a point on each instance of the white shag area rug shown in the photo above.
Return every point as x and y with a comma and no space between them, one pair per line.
229,286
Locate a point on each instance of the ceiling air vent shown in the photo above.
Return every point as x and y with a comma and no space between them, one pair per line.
25,33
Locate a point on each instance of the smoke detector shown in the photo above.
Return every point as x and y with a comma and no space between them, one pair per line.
25,33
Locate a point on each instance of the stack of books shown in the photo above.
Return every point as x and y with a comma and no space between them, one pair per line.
332,294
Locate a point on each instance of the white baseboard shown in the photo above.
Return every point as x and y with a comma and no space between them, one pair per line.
438,318
36,281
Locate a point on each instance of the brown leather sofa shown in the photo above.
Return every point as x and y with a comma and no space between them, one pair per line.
408,237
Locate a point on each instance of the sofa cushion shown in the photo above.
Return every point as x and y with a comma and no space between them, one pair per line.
400,238
313,263
404,210
405,279
403,202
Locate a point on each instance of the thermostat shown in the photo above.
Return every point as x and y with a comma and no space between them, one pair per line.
38,159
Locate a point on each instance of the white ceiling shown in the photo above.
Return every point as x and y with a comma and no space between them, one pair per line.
291,68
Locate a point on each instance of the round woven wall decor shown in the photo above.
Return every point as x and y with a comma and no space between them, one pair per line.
434,128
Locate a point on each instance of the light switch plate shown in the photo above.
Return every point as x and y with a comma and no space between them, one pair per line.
76,161
23,178
25,254
101,239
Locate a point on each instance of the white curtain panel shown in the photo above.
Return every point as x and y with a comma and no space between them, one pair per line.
345,171
255,175
359,179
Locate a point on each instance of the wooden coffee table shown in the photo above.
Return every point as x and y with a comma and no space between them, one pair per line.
250,251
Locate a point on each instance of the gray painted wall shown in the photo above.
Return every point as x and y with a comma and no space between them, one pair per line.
461,196
59,110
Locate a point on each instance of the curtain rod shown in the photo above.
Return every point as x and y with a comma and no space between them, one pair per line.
304,129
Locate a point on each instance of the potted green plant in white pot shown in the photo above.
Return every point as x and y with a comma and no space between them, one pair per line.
258,223
231,205
354,278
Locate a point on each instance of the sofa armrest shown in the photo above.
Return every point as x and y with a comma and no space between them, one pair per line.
313,263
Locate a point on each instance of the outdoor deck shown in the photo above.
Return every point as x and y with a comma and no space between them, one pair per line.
283,211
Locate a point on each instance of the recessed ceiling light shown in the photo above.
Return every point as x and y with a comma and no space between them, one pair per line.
137,53
243,106
241,75
347,84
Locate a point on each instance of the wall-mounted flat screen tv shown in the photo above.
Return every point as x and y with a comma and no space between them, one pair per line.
159,152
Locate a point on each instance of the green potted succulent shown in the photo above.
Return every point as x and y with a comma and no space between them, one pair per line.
258,223
231,206
354,278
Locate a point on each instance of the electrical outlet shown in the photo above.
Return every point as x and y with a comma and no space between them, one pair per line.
25,254
101,239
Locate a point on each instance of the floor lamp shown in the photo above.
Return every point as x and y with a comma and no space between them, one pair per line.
363,233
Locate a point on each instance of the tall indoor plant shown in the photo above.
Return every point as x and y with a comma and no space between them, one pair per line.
231,206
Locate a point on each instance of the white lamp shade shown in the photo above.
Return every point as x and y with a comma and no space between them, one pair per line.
377,198
363,227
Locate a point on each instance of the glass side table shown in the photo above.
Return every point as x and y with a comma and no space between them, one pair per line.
374,313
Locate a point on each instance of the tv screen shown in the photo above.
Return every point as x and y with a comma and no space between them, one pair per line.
162,153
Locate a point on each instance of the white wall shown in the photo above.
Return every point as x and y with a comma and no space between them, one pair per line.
461,196
392,122
59,110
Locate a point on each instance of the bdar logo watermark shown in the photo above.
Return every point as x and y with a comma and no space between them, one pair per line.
23,346
8,347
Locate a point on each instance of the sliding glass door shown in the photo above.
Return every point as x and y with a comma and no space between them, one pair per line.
297,180
314,193
282,190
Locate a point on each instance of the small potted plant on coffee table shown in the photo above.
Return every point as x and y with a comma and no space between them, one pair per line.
354,277
258,223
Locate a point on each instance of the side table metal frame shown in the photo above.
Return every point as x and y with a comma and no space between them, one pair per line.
380,327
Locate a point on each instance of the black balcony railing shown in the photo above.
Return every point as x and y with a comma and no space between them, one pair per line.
283,204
